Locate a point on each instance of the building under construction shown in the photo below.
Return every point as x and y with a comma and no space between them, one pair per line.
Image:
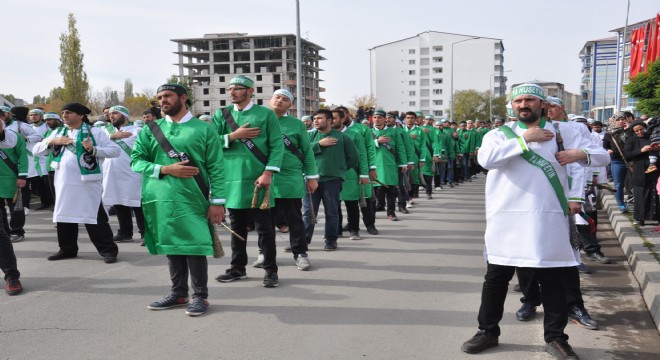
269,60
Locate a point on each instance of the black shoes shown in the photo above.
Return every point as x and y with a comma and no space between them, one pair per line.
560,349
403,209
479,342
372,230
526,313
122,238
60,255
168,302
231,275
599,257
109,259
271,280
580,316
330,247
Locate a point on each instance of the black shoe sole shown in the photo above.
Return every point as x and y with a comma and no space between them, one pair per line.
232,279
165,308
477,351
580,324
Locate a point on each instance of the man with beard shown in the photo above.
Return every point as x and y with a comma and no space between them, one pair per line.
76,149
422,146
253,146
37,178
121,185
369,211
402,193
176,201
334,153
527,182
297,178
356,178
8,265
13,171
390,157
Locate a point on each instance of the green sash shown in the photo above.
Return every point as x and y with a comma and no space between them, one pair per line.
111,130
87,163
545,166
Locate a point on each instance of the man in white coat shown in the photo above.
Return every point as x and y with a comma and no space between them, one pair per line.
76,148
528,182
37,177
122,187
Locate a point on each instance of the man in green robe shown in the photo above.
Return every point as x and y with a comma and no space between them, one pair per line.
335,153
356,179
298,177
391,159
13,174
253,150
423,152
404,184
466,145
178,213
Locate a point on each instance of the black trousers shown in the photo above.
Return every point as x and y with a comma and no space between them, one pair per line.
240,218
51,184
100,234
369,212
17,222
532,293
428,179
42,186
387,197
643,209
7,256
589,240
352,215
180,266
494,292
126,219
289,211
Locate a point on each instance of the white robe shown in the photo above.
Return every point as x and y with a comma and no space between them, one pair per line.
33,160
526,225
121,185
77,201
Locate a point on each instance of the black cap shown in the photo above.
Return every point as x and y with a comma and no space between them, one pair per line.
77,108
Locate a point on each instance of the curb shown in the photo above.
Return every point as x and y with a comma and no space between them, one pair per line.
644,266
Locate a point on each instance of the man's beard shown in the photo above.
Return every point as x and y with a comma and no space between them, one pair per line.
53,126
174,109
533,116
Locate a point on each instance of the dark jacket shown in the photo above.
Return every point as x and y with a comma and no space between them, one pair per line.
640,162
608,143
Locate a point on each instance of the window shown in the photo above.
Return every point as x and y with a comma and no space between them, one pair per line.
437,91
206,103
437,59
437,102
260,101
411,72
221,79
437,113
437,48
259,77
205,91
222,91
259,90
437,81
411,51
276,79
411,82
411,62
411,103
223,102
437,70
411,93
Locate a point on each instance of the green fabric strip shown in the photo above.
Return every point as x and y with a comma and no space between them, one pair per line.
545,166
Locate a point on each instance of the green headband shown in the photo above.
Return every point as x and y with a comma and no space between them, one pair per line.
120,109
242,80
528,89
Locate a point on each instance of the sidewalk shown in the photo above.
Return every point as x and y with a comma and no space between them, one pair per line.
643,265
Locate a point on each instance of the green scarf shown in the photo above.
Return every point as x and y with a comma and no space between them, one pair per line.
88,163
541,163
111,130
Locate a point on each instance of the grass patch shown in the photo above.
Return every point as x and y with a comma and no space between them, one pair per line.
645,242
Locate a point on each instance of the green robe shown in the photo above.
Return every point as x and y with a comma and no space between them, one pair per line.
421,150
243,168
289,183
174,208
467,141
351,188
452,143
18,156
387,163
333,161
367,136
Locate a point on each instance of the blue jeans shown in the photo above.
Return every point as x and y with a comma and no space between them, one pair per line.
465,163
328,192
451,163
619,172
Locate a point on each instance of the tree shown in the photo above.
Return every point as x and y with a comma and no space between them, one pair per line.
128,89
38,99
469,105
366,101
9,97
645,87
71,65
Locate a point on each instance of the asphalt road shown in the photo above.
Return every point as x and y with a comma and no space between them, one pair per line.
410,293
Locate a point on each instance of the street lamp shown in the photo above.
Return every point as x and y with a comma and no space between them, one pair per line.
451,109
619,99
490,93
299,91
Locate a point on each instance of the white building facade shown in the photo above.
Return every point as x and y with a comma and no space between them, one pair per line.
415,74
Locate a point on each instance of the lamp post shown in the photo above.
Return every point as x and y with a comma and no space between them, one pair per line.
299,92
619,99
451,109
490,93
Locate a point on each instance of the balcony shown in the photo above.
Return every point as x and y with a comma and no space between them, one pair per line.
321,89
290,82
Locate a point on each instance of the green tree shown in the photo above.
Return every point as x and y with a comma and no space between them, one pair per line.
38,99
128,90
9,97
71,65
645,87
469,105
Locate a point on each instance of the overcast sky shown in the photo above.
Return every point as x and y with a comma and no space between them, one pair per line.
124,39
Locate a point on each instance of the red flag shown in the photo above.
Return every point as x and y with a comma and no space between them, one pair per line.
653,44
657,38
637,51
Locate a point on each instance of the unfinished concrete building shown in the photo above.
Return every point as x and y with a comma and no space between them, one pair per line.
270,60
